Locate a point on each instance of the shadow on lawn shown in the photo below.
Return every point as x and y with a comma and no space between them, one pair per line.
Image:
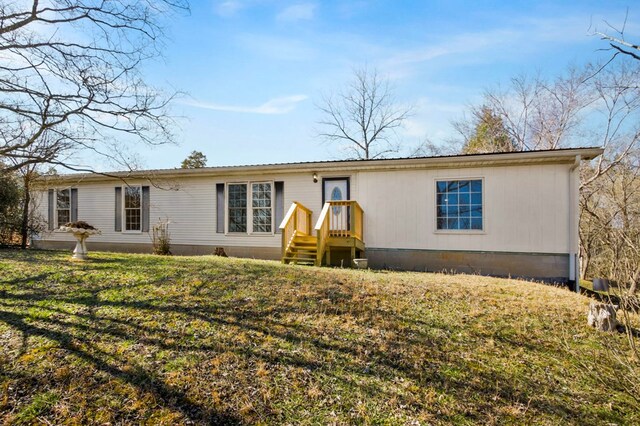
144,380
412,351
390,363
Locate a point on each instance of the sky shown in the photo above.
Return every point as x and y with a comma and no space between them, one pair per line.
253,71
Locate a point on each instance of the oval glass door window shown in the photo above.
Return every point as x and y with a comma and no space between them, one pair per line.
336,194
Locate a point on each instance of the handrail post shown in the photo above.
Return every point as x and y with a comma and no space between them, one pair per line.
284,246
295,220
352,219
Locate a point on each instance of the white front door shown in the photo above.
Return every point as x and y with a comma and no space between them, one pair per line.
337,189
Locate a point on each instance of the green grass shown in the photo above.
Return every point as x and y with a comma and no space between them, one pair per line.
169,340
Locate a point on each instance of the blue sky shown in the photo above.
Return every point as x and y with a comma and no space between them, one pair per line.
254,70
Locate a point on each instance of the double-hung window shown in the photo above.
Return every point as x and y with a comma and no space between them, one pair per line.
132,208
237,207
250,207
261,206
459,205
63,206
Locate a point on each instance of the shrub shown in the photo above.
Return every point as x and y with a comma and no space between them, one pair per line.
161,238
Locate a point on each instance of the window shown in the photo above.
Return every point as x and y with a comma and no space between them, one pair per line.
237,207
459,205
132,208
261,206
63,206
255,203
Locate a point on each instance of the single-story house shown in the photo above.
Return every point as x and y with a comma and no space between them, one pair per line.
504,214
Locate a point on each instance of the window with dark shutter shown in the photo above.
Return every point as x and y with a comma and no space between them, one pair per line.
279,205
118,212
220,208
74,204
51,210
145,208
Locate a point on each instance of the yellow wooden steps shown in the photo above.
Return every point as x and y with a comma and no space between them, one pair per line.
302,250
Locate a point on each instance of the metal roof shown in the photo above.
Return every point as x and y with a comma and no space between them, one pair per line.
462,160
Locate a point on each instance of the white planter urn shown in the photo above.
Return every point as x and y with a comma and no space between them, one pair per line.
81,234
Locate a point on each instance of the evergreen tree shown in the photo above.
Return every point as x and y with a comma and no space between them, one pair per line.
489,135
195,160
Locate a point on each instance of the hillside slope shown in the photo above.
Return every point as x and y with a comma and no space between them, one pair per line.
135,338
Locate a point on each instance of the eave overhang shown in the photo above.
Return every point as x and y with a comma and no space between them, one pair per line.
559,156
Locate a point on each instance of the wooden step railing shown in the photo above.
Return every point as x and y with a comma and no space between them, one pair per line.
296,222
338,219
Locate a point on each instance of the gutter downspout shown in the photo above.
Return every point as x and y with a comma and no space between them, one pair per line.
574,223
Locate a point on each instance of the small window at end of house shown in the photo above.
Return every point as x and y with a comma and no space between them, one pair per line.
132,208
459,205
63,206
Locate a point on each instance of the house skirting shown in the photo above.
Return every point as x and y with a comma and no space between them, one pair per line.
550,267
268,253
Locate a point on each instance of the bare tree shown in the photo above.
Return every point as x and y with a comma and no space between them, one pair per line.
618,42
70,79
538,113
587,106
363,118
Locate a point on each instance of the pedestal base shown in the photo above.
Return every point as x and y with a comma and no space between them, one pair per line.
80,252
80,234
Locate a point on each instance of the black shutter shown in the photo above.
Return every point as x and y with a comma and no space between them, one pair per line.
51,208
279,206
145,209
220,208
74,204
118,217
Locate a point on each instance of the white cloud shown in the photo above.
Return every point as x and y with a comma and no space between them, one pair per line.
463,44
297,12
280,105
528,35
229,8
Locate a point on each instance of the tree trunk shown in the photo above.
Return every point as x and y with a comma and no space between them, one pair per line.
24,226
602,316
634,282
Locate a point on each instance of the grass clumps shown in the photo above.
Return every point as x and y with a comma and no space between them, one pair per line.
212,340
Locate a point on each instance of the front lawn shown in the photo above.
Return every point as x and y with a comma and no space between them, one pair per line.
171,340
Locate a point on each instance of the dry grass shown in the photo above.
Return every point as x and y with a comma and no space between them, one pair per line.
144,339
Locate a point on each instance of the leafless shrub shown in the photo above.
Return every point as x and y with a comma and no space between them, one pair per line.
161,238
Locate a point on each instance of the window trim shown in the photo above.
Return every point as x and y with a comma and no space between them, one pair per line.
124,210
226,208
434,186
249,231
56,216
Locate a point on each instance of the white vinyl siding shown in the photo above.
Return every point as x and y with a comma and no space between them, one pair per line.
191,210
525,209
